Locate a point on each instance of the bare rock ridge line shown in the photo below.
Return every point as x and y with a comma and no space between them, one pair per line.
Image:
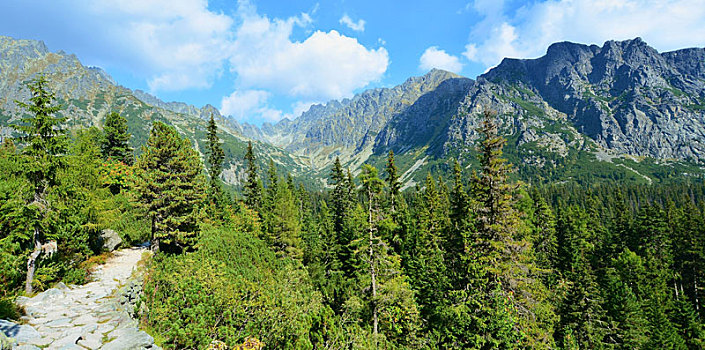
91,316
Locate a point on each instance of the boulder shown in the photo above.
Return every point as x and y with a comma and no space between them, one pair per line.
110,239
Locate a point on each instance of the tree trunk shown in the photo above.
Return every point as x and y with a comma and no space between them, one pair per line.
373,274
155,241
695,290
31,262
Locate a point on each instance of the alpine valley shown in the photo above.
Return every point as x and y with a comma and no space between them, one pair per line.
582,113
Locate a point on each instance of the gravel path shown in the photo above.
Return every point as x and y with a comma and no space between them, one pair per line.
83,317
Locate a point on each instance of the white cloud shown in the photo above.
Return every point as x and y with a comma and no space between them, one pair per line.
176,45
244,105
529,30
326,65
358,26
241,103
180,43
435,58
300,107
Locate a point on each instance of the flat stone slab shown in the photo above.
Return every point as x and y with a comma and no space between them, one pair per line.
82,317
21,333
130,340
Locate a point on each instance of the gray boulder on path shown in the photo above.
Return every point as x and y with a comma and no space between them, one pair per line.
110,239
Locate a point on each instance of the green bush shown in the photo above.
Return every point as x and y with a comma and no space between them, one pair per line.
76,276
232,288
8,310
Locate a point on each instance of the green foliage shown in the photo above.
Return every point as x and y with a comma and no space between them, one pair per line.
170,187
8,309
281,218
487,263
232,288
115,142
216,155
253,186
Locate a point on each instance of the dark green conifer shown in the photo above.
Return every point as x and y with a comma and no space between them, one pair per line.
253,186
170,186
215,158
115,140
44,155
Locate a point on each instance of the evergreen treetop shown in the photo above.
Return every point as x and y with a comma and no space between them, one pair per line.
115,141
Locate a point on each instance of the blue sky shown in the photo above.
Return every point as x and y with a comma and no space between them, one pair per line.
265,60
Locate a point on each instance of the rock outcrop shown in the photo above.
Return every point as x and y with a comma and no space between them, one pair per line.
110,240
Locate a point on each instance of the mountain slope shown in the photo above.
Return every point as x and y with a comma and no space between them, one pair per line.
88,94
587,113
625,95
621,111
349,129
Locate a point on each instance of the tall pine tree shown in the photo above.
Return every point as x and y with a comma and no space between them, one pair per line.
253,186
215,159
170,186
115,139
44,155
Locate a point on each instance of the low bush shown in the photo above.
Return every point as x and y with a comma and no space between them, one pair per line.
232,288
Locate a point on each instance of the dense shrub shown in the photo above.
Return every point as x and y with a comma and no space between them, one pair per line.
232,288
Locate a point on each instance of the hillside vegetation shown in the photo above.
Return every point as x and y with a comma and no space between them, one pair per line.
475,260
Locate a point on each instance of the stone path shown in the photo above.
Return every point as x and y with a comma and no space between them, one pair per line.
83,317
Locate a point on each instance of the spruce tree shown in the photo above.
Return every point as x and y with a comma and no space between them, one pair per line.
215,157
170,186
428,270
342,203
44,154
372,187
391,301
544,236
501,271
281,218
456,235
393,183
115,140
392,228
581,312
253,186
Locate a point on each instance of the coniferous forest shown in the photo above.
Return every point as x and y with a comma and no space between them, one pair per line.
460,262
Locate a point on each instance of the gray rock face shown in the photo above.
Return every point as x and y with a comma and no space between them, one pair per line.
425,121
110,240
19,333
351,127
624,95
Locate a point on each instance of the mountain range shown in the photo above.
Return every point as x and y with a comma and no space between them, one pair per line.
620,111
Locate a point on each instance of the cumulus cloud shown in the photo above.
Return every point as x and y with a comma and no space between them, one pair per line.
529,30
358,26
181,44
300,107
326,65
250,105
241,103
435,58
176,45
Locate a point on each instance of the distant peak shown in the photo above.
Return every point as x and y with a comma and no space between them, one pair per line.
436,72
38,45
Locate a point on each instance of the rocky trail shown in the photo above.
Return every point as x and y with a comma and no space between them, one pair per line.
92,316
